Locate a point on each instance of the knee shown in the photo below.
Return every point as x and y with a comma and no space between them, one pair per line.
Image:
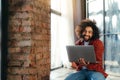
97,76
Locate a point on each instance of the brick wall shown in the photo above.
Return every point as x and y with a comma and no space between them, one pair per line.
28,40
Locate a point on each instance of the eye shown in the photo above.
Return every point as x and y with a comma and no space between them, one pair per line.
90,32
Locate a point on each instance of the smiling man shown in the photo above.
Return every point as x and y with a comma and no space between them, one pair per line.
85,69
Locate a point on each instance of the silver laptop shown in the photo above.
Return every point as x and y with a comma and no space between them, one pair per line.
80,51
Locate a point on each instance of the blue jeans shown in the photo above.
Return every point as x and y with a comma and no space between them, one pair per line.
86,75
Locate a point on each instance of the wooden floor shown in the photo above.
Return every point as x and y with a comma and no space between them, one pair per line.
61,73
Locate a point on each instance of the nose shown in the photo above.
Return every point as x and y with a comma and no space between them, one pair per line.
86,33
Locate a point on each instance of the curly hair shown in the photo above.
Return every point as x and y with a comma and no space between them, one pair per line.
85,23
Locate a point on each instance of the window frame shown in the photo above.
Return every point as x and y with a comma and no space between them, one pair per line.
55,12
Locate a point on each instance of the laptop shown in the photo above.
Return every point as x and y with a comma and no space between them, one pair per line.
81,51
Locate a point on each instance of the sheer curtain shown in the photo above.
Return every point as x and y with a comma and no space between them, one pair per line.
62,34
67,30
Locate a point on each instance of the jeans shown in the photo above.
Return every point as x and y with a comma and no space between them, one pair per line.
85,74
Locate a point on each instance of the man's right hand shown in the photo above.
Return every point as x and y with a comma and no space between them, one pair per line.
83,62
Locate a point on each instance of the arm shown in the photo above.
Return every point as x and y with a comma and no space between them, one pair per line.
78,41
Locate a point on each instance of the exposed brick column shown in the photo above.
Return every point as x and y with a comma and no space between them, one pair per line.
29,40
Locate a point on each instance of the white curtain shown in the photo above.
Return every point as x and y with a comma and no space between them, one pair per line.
66,30
62,34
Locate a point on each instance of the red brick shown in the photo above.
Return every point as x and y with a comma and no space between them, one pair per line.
24,43
23,15
25,29
15,22
18,57
27,7
33,64
14,50
29,77
14,77
14,63
22,71
39,56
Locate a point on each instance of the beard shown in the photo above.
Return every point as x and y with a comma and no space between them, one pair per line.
86,38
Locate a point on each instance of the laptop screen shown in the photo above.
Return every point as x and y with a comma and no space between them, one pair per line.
80,51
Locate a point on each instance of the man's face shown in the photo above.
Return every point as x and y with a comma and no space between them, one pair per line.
87,33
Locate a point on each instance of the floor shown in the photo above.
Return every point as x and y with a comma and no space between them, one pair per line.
61,73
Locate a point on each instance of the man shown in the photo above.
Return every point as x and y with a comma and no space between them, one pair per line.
78,29
87,70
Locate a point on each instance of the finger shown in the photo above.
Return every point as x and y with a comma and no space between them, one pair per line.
88,62
83,61
80,60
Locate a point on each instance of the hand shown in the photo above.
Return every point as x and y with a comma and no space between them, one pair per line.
80,40
83,62
74,65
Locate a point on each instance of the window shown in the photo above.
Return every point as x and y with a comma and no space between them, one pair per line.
55,25
107,16
62,31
